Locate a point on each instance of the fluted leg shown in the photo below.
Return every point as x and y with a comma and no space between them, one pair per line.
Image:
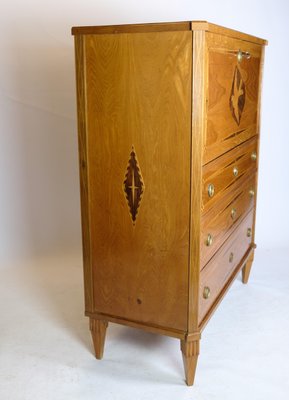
98,332
190,351
247,268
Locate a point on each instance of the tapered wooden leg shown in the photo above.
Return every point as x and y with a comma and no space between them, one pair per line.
247,268
190,351
98,332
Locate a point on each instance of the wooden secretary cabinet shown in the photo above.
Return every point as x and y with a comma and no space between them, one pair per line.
168,122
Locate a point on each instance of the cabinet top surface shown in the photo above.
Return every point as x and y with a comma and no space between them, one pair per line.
166,26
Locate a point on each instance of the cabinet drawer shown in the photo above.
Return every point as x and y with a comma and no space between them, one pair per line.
219,222
233,167
218,271
233,74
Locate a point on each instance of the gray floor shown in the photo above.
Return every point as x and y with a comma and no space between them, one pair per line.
46,351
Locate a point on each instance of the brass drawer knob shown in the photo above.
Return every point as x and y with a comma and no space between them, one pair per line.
231,257
233,213
211,190
249,232
235,171
251,192
209,240
206,292
254,156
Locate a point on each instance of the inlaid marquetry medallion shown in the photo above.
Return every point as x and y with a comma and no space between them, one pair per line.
133,185
237,96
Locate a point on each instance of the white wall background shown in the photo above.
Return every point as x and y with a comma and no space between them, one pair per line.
39,189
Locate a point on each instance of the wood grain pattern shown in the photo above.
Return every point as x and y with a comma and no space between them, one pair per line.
226,32
247,268
225,288
224,130
164,27
258,130
190,352
83,171
152,328
220,172
217,272
225,216
164,110
198,132
140,272
131,28
98,332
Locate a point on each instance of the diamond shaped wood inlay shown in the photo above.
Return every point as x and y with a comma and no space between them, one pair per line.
237,97
133,185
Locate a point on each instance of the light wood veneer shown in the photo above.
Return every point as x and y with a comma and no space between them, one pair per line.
164,111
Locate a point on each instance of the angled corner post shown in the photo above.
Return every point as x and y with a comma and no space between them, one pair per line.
190,346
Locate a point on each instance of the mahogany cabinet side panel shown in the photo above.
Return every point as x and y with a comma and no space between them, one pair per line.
138,127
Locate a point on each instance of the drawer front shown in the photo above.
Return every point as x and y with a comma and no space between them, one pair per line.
233,87
219,222
227,170
218,271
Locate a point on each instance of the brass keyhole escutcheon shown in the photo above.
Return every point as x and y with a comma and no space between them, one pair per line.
231,257
211,190
209,240
252,193
235,171
249,232
240,56
233,213
254,156
206,292
243,54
